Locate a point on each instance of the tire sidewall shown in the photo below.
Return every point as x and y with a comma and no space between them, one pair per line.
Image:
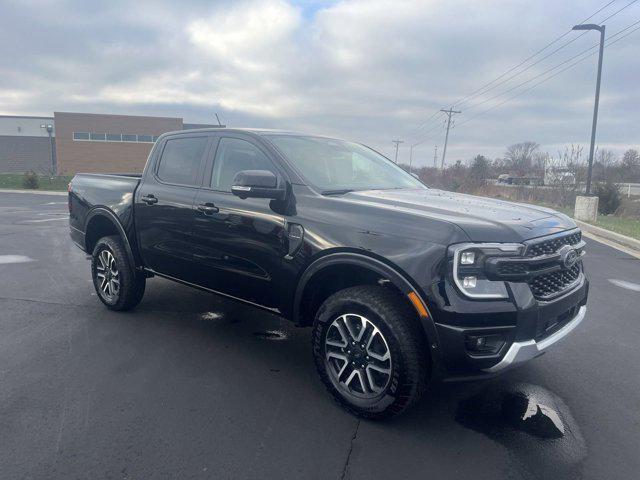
326,315
109,244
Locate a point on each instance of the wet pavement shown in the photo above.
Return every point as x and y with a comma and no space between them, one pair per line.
190,385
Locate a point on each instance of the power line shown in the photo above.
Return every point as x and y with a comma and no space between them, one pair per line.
532,56
433,120
483,90
608,44
593,47
428,120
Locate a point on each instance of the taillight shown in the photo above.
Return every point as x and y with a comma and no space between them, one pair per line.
69,189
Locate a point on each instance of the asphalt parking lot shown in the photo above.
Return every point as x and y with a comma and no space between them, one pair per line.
190,385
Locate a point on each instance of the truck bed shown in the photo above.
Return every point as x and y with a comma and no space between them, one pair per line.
104,191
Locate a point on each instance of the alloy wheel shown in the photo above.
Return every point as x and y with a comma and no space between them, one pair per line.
108,275
358,356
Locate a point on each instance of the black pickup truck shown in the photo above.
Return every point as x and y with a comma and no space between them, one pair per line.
403,284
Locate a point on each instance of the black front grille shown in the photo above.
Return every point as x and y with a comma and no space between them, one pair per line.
547,247
512,269
549,285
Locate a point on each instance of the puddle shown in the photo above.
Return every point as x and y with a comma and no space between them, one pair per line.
534,424
275,335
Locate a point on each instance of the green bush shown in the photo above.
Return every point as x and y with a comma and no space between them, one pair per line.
30,180
609,195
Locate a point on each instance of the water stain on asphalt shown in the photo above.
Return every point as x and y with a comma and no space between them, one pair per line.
534,424
275,335
5,259
635,287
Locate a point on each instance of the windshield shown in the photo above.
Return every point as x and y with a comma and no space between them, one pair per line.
336,166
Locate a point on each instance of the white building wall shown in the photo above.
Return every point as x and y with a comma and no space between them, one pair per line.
25,126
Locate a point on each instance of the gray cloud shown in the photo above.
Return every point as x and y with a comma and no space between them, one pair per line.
365,70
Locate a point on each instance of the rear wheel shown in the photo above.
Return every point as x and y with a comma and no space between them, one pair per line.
370,352
115,279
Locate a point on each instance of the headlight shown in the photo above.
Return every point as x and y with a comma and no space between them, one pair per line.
468,268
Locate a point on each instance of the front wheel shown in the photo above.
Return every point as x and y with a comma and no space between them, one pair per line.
115,279
370,352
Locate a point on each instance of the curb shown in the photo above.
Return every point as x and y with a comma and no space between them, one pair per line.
617,238
36,192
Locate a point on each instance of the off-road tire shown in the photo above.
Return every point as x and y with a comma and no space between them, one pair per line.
398,323
132,283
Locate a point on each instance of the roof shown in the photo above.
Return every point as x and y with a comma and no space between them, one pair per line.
255,131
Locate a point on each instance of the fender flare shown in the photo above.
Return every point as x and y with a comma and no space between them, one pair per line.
113,218
398,279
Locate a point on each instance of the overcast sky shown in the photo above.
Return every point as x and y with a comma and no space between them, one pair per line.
369,70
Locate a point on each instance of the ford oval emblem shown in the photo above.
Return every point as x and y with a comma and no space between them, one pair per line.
568,256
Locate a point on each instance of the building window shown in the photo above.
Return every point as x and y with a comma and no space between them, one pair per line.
114,137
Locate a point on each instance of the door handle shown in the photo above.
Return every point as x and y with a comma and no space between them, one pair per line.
208,208
149,199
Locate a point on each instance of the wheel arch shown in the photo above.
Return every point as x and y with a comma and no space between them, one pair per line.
376,268
101,222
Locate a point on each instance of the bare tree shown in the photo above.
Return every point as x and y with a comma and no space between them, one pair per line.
521,158
630,166
605,166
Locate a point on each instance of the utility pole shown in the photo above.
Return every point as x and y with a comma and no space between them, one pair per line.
600,28
435,157
449,113
397,142
411,157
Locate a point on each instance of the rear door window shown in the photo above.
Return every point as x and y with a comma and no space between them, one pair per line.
181,160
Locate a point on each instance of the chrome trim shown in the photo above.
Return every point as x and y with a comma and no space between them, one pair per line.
523,351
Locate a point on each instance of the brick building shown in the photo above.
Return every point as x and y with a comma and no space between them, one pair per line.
106,143
68,143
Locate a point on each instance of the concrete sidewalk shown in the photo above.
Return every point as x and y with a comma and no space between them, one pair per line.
37,192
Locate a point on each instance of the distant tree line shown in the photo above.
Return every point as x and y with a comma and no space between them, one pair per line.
525,159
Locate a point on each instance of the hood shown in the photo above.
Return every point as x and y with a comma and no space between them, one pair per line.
483,219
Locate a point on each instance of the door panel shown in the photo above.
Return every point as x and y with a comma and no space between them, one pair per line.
238,244
164,206
164,228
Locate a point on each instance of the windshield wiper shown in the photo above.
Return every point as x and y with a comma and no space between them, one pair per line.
337,192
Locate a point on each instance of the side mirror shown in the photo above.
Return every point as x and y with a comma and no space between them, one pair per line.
257,184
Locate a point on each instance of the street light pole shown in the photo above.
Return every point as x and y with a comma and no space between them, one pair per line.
49,129
599,28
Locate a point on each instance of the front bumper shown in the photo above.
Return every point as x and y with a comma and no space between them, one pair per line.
520,352
529,327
